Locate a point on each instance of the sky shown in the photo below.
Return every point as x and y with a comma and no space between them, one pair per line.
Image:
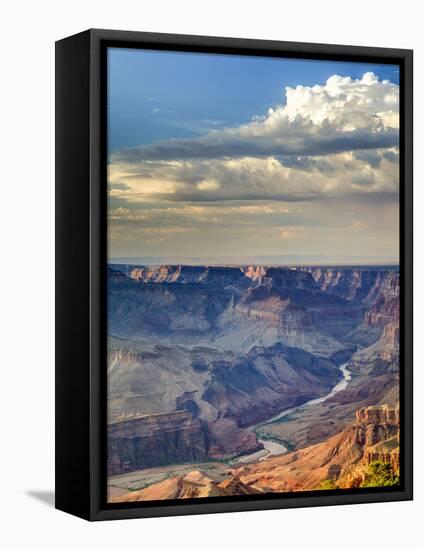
215,158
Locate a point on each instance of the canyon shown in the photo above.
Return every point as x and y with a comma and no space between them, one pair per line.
202,361
342,460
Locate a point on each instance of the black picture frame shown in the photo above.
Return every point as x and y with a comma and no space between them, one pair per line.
81,152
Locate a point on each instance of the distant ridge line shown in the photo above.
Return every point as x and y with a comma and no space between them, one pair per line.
392,265
388,267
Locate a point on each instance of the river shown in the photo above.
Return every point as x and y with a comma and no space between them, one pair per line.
275,448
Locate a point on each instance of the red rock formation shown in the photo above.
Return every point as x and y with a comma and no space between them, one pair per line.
376,424
255,272
343,457
196,484
374,436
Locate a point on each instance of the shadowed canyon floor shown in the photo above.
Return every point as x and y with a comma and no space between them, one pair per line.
214,372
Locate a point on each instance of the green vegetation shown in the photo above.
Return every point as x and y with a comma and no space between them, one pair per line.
327,484
380,474
137,487
376,474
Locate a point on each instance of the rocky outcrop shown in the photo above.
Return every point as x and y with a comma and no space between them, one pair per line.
282,277
205,404
384,315
360,284
274,312
373,436
156,440
174,438
265,381
342,458
390,343
319,422
255,272
384,305
239,307
163,313
196,484
182,274
383,311
373,427
373,293
285,280
385,451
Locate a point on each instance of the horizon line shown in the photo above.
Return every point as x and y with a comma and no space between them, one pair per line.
137,262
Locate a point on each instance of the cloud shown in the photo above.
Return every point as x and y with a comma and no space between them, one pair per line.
159,215
256,178
208,185
167,230
332,140
256,228
322,167
291,233
342,115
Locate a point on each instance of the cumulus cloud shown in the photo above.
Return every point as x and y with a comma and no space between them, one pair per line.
256,178
342,115
256,185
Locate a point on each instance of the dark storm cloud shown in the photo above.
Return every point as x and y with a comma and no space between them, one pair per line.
224,145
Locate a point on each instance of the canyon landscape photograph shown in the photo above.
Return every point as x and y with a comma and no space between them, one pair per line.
253,282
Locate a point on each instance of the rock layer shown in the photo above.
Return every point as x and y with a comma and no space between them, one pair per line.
154,440
336,458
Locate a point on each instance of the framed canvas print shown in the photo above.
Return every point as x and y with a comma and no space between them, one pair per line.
234,274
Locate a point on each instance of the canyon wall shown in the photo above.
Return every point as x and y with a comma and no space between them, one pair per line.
373,436
199,353
155,440
342,459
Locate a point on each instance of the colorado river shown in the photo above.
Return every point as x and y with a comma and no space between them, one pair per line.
274,448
